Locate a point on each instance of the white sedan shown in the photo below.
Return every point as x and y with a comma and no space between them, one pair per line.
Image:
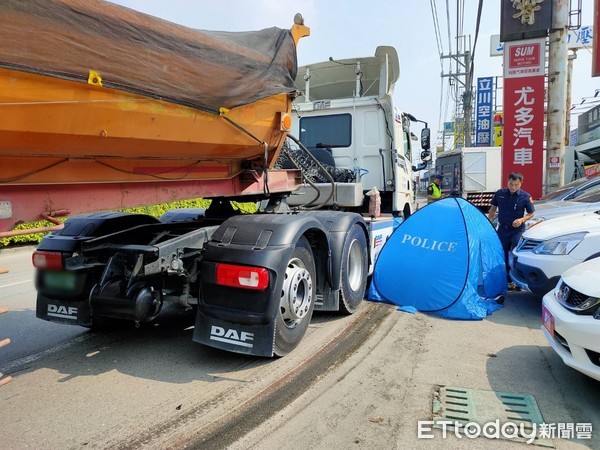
550,248
571,318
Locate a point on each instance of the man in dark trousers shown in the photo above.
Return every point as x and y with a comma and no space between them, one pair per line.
511,202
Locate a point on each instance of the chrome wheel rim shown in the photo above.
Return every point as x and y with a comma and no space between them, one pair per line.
296,293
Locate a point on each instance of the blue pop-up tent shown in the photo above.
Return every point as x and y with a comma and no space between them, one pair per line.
444,259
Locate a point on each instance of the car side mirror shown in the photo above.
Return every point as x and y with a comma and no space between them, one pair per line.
426,155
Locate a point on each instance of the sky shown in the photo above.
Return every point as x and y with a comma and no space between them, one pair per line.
350,28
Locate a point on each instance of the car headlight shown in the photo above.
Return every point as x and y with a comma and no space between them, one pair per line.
561,245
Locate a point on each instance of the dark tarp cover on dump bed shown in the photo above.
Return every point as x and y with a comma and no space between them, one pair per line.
146,55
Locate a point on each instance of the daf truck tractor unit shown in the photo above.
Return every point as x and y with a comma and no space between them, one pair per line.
87,129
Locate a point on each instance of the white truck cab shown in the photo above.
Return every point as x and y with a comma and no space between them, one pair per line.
346,118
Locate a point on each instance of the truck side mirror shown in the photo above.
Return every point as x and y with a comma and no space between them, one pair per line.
425,139
426,155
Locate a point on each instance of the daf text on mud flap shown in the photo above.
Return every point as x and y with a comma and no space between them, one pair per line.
231,336
63,312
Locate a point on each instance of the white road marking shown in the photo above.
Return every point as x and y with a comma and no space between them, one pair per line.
32,358
15,283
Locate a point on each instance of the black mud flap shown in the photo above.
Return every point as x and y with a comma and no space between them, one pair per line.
254,340
67,312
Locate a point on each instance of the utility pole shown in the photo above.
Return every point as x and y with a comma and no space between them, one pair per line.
468,99
571,58
463,78
557,96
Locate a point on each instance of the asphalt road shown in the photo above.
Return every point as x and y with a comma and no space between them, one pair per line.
375,398
28,335
362,381
149,386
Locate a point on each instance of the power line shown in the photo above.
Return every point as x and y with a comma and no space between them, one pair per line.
477,24
448,23
460,19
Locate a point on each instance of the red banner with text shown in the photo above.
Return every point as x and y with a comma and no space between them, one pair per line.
524,94
592,171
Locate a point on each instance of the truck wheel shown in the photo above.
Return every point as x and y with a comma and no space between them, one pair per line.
297,299
354,270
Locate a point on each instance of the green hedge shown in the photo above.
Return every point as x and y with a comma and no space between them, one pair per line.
153,210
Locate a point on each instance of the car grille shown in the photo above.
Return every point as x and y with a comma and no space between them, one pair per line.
527,245
594,357
575,300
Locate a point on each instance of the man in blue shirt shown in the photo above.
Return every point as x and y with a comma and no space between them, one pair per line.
511,202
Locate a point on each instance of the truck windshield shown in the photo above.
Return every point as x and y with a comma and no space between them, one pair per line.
326,131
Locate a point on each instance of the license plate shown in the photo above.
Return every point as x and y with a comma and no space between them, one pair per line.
548,320
63,281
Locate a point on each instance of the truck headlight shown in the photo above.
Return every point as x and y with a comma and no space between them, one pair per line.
561,245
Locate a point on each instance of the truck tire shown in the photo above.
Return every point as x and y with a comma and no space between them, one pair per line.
297,299
354,270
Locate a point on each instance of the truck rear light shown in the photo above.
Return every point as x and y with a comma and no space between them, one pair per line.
47,260
244,277
286,122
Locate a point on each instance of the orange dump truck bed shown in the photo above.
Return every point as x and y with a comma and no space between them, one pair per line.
104,107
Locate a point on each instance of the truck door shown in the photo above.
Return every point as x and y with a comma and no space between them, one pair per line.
403,188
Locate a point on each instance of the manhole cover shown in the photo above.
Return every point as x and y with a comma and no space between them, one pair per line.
512,415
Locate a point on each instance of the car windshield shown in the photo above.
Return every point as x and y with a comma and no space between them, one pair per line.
566,188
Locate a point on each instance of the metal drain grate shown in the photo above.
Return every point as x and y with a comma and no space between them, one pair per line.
462,406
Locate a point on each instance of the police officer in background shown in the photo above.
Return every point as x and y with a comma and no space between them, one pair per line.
434,191
511,202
